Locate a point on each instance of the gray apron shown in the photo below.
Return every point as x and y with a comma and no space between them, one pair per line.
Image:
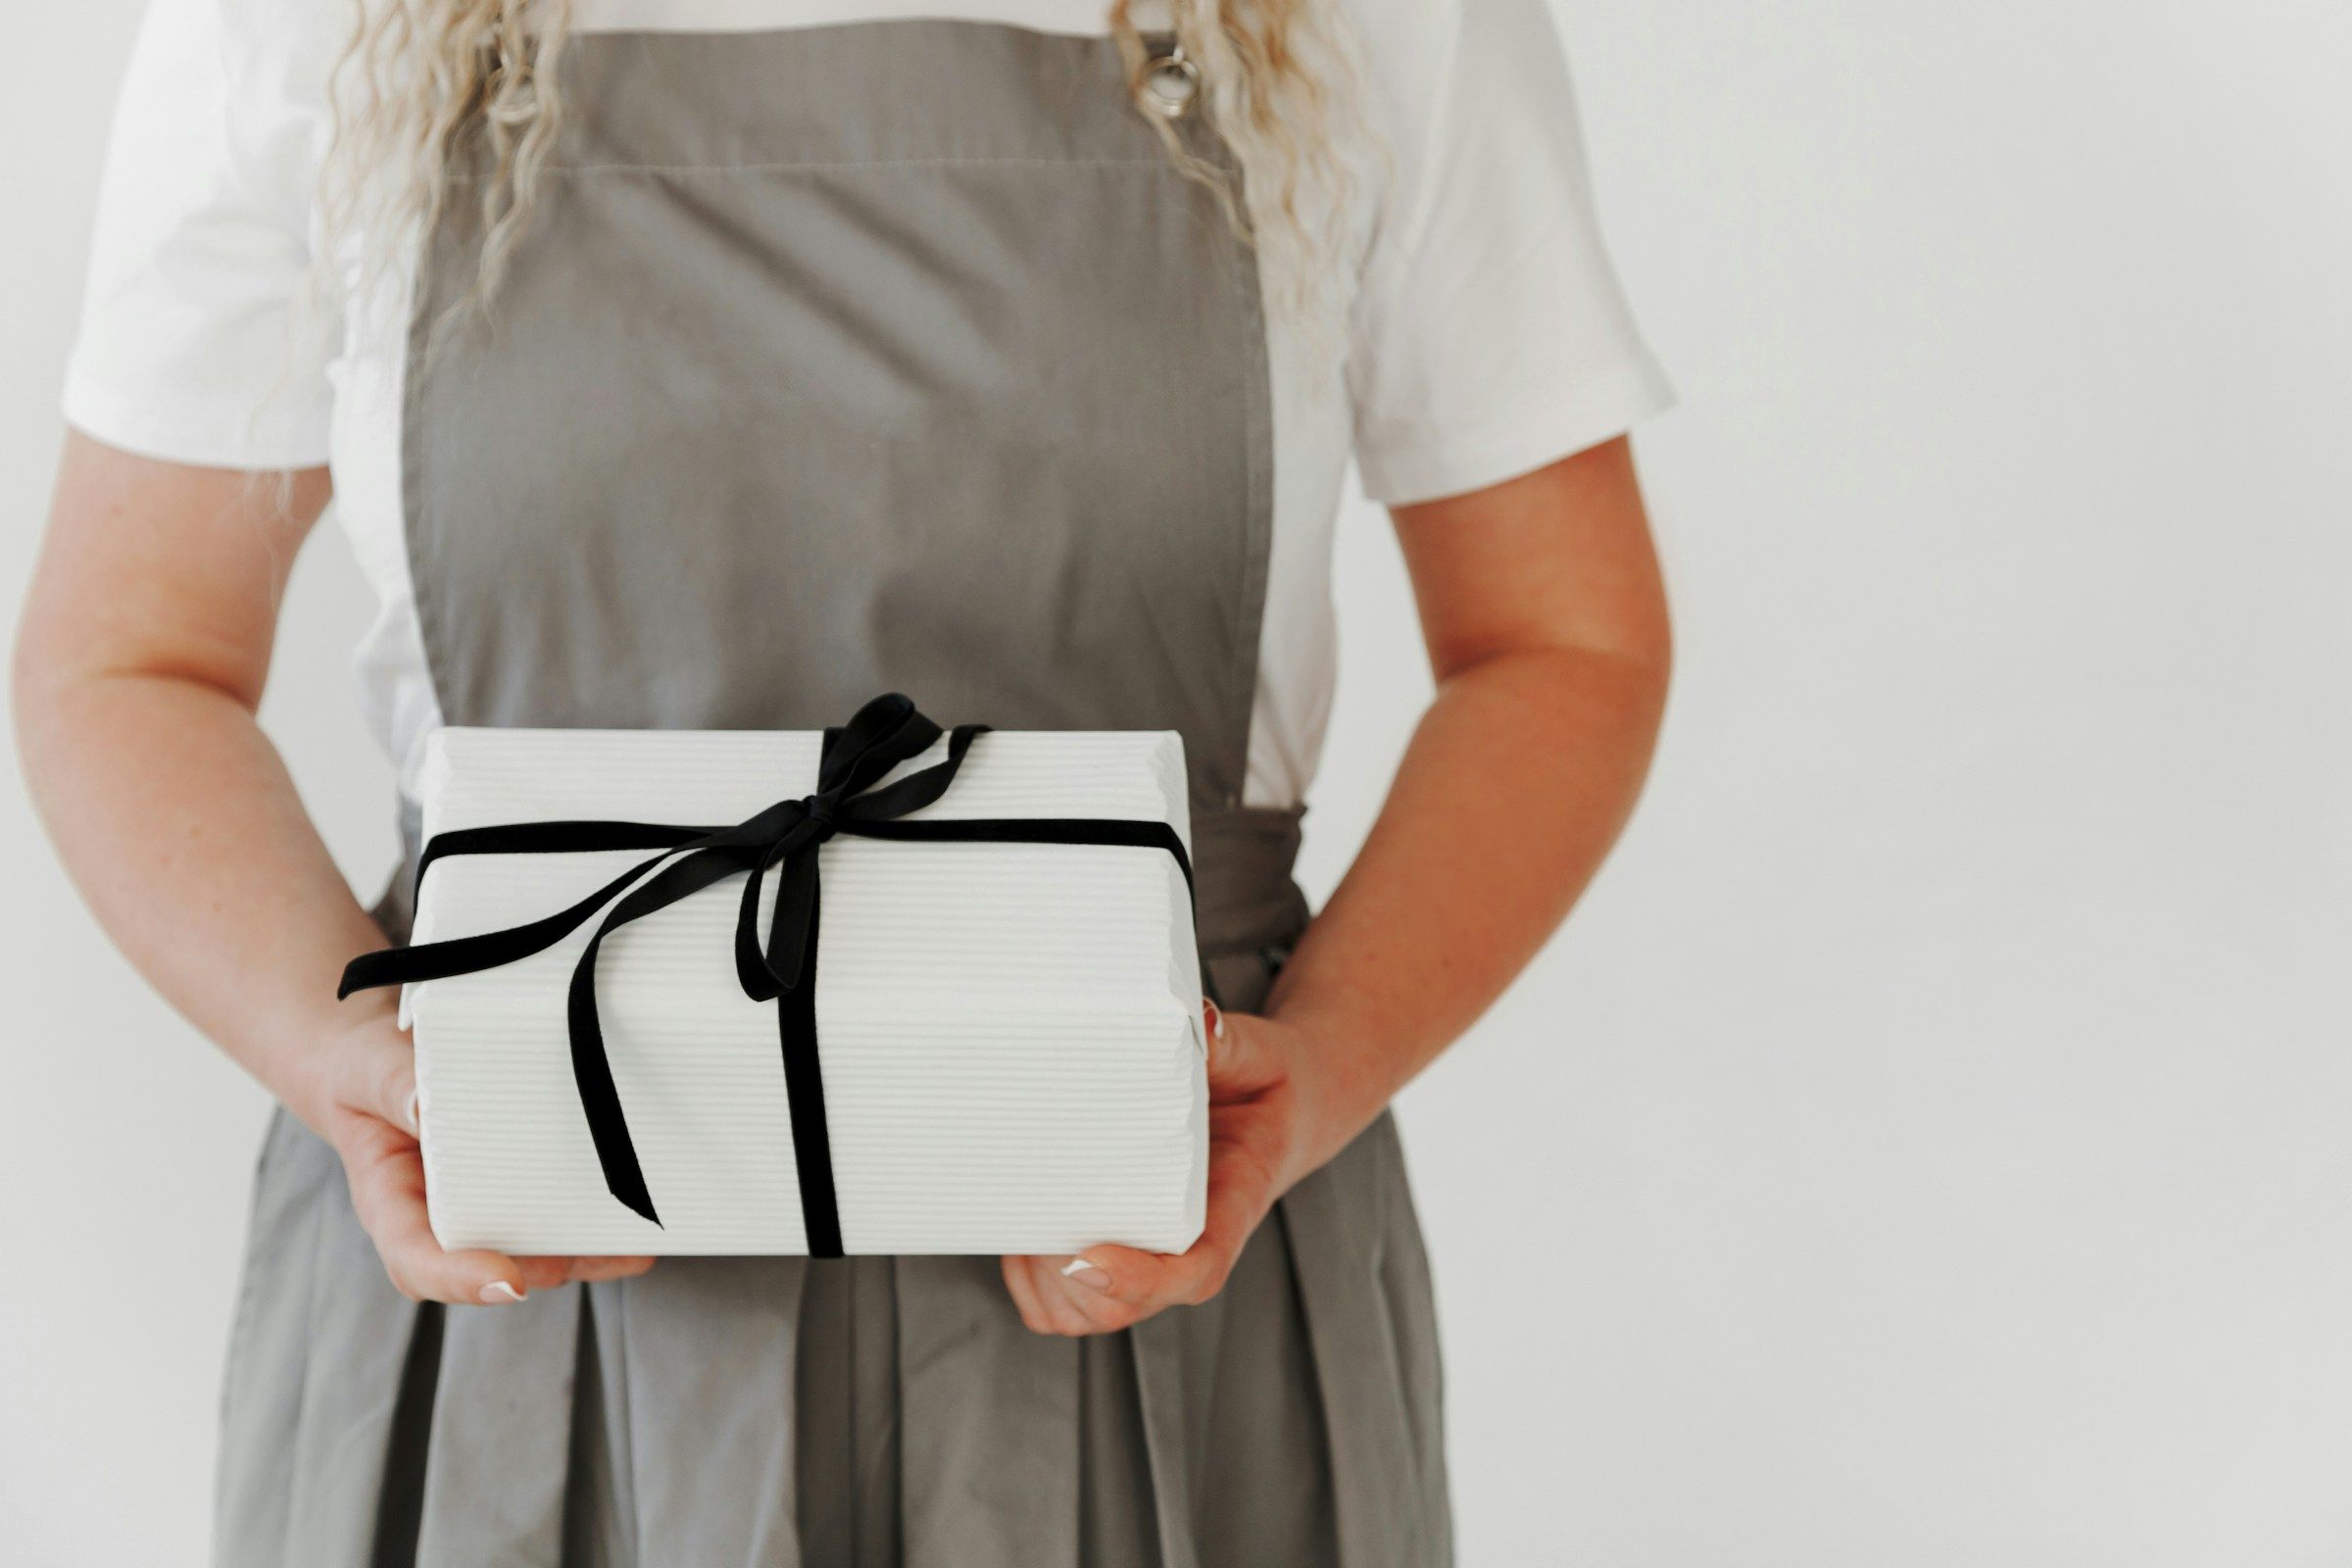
892,355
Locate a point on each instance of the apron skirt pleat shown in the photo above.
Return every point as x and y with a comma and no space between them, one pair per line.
261,1390
1341,1226
709,1348
323,1366
501,1454
989,1416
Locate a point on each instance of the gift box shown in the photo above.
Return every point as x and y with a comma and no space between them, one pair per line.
835,1002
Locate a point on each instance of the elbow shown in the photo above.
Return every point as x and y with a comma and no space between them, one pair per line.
1628,664
1585,691
1642,647
44,677
1634,678
1652,659
36,678
74,687
1633,652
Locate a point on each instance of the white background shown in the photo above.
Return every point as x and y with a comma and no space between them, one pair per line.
1929,1145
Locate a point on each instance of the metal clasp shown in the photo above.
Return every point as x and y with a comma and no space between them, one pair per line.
1168,82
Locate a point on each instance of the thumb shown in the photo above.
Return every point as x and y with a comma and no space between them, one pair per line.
380,1077
1239,1057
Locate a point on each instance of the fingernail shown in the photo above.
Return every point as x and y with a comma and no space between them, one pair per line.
1086,1273
498,1293
408,1113
1216,1019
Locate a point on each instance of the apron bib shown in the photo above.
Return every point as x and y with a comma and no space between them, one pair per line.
835,360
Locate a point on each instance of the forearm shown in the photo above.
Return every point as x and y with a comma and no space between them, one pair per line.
177,820
1518,779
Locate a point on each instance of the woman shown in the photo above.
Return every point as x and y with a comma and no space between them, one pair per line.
723,364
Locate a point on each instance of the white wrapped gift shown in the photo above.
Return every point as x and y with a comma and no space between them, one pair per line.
1010,1034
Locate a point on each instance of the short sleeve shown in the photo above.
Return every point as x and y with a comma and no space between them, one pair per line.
202,337
1491,335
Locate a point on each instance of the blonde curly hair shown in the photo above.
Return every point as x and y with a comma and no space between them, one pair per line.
422,76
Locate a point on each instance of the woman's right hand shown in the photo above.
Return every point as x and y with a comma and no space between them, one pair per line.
363,1103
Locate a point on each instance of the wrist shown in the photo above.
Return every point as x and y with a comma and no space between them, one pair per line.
1340,1092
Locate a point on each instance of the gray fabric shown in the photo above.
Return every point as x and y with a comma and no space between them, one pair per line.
852,358
906,358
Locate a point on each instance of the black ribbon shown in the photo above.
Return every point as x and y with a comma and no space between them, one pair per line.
782,839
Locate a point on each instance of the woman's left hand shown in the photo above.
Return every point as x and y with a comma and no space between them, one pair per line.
1272,1119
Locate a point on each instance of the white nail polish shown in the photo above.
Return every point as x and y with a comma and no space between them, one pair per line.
1088,1273
498,1293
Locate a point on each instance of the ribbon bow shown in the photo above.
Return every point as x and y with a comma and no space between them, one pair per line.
782,838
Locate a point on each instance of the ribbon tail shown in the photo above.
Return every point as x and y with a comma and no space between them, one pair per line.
750,968
591,1067
438,960
600,1097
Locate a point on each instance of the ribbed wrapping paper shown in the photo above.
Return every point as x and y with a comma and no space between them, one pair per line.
1011,1035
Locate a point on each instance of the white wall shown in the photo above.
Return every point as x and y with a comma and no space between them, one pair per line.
1929,1145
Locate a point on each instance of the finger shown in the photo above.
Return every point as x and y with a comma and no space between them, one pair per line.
588,1271
1101,1313
388,1192
379,1077
1063,1309
1240,1185
1142,1282
1058,1313
545,1273
1021,1285
1049,1311
424,1272
1241,1063
1136,1283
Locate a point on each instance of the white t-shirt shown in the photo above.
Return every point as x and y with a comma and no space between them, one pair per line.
1488,335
